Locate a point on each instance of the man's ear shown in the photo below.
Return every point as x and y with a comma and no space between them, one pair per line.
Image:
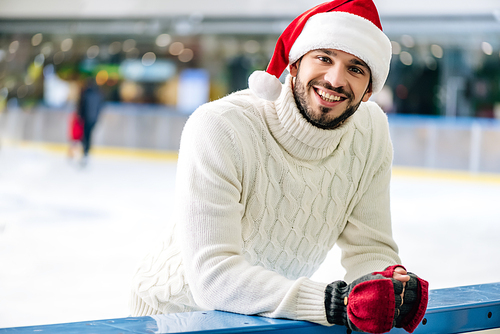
294,68
368,93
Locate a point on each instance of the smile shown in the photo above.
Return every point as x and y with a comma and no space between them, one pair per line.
328,97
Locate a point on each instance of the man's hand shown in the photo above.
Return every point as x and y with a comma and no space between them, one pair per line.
366,304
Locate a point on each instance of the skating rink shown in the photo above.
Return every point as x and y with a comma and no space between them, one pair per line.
70,237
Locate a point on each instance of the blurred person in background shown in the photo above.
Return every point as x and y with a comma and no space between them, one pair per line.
75,135
271,177
89,108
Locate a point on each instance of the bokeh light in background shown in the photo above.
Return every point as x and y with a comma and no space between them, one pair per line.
186,55
128,45
114,48
148,59
93,51
396,48
101,77
437,51
36,39
163,40
408,41
487,48
66,44
406,58
176,48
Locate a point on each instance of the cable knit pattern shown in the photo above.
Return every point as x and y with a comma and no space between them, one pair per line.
262,196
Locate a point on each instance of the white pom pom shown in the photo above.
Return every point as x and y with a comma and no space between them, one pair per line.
265,85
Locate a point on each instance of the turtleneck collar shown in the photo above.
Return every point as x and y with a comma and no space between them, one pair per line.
298,137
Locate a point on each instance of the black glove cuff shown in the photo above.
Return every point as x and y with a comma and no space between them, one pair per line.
336,309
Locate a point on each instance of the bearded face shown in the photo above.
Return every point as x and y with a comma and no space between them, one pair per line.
329,86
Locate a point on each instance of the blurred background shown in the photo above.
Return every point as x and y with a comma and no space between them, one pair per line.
70,237
156,61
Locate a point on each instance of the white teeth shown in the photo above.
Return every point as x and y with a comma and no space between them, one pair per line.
327,97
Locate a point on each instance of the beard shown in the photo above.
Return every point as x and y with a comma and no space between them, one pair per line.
323,120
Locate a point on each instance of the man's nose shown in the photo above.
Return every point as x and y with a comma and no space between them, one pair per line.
336,76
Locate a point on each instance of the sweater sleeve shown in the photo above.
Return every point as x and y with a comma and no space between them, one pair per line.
366,242
210,211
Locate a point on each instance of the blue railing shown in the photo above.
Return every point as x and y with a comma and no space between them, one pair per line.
452,310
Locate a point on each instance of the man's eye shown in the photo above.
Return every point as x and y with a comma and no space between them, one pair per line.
356,70
324,59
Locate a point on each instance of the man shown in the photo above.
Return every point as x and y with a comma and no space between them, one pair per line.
270,178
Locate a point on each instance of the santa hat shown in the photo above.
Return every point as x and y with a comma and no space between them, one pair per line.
352,26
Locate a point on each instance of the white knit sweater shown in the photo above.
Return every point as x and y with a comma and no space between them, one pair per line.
262,196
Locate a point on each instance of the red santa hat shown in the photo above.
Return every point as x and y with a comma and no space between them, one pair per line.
352,26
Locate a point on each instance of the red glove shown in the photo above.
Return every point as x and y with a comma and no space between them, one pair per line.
372,303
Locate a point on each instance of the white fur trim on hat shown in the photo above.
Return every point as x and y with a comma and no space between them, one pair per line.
349,33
